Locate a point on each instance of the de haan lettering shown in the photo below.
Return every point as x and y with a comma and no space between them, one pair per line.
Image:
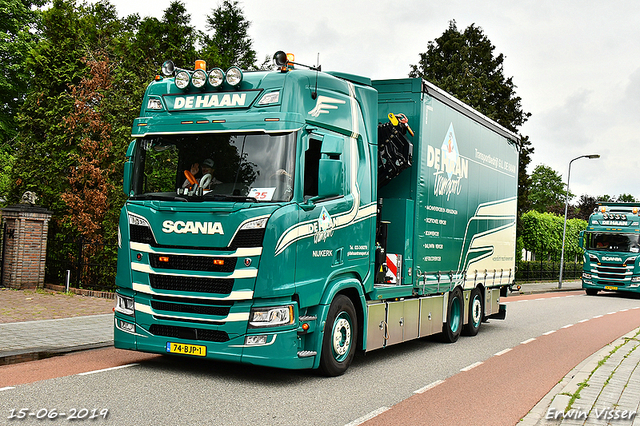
210,101
180,227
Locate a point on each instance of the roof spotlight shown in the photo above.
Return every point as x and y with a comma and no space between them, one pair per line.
182,79
216,77
280,58
168,68
199,79
234,76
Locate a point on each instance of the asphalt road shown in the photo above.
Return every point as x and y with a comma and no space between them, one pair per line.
152,389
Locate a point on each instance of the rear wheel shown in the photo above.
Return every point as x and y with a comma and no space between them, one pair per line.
455,308
340,337
476,312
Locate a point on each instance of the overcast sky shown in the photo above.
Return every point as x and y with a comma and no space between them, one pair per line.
576,63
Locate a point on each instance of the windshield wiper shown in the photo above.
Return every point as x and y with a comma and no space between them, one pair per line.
224,197
158,197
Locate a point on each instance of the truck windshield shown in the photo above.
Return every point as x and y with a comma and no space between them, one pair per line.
216,167
614,242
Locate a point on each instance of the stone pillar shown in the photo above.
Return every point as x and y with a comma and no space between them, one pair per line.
25,245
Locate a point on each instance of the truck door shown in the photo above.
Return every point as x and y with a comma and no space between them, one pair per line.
328,210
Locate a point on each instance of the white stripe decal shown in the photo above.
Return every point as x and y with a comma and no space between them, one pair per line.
241,252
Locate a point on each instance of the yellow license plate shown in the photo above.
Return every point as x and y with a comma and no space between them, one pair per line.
608,287
181,348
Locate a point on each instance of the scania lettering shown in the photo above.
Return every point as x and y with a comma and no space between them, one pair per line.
611,246
181,227
290,218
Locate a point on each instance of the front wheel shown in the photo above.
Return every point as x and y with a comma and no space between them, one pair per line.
591,291
453,326
476,312
340,337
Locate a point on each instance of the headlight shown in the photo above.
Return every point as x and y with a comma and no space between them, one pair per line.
586,276
182,79
216,77
199,79
271,316
234,76
134,219
125,305
154,103
255,224
270,98
635,279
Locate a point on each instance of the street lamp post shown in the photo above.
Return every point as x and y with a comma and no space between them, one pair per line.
566,207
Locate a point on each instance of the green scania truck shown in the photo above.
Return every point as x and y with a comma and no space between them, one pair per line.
611,246
288,218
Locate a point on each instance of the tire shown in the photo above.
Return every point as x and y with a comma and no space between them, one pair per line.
475,313
453,326
591,291
340,337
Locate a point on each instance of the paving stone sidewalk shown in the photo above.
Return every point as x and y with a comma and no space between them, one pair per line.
36,324
603,390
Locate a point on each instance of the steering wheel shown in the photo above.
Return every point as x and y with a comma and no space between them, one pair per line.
206,180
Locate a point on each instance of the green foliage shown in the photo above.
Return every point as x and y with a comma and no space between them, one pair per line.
230,43
463,63
547,189
542,235
18,35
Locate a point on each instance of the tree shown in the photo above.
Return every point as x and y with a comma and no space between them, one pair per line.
463,64
626,198
18,35
43,147
230,44
178,37
547,189
586,205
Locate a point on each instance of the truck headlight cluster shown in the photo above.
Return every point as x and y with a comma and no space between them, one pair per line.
271,316
125,305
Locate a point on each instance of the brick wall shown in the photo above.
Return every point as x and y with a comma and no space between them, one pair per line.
25,245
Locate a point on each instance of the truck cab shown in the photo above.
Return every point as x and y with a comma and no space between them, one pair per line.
611,246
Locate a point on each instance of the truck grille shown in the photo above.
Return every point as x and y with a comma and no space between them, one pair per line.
193,263
205,308
247,238
141,234
191,284
612,272
189,333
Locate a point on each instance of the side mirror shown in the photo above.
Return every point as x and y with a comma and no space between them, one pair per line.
128,169
330,178
581,240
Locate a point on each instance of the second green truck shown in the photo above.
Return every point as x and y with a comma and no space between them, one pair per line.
288,218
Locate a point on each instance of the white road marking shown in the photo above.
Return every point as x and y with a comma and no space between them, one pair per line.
528,341
430,386
472,366
502,352
107,369
366,417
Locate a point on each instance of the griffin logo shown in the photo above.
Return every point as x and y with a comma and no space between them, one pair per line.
324,104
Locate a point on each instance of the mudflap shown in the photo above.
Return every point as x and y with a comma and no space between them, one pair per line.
501,314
